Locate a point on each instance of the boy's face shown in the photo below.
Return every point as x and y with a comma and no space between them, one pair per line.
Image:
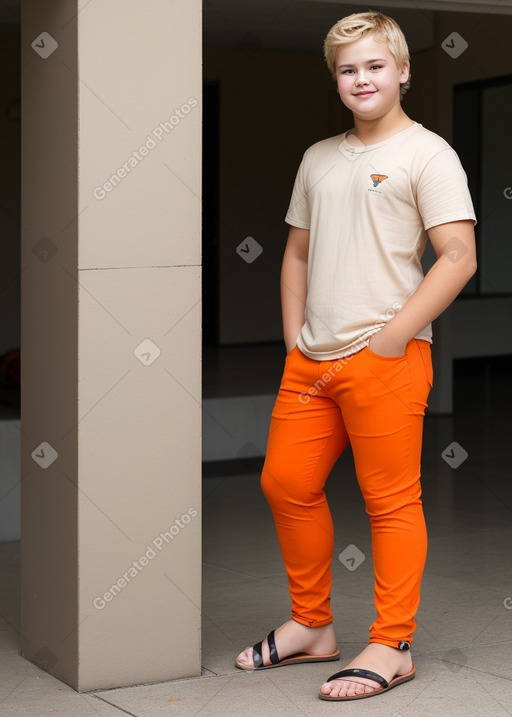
368,78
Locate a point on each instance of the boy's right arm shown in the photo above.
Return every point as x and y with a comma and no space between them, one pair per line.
294,273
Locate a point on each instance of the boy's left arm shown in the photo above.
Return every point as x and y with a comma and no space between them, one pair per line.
454,244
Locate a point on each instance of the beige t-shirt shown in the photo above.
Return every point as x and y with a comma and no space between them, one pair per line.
368,209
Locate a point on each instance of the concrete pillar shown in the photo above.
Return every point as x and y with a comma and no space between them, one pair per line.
110,458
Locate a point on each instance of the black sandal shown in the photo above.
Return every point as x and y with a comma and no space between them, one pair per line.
369,675
295,659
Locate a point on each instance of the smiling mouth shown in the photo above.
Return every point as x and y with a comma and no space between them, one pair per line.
365,94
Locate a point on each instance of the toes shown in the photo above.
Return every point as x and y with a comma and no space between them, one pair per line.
246,658
356,688
346,688
335,688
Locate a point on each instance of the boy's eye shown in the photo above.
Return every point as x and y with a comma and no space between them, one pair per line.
350,71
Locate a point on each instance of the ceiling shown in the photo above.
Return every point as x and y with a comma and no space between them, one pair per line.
296,25
301,25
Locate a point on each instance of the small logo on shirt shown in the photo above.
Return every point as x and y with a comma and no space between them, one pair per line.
378,178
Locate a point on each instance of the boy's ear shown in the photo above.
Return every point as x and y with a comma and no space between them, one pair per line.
404,73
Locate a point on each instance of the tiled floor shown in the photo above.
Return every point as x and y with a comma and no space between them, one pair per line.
463,646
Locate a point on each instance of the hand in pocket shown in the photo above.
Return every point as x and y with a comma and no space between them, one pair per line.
383,345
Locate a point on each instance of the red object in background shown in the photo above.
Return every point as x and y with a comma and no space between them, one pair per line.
10,367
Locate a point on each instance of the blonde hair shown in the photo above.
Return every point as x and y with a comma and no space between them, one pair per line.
354,27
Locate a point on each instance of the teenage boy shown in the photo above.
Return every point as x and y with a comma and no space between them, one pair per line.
357,315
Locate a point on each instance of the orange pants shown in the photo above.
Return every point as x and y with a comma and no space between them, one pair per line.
376,404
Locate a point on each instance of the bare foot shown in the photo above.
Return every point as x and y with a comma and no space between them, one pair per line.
382,659
293,637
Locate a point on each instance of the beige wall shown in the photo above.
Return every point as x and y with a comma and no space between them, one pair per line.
49,337
111,342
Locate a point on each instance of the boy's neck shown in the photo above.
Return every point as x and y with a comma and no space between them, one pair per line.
377,130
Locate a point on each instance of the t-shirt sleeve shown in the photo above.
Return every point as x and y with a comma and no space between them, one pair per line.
442,191
299,214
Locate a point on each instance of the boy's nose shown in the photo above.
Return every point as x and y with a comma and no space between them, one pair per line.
362,79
